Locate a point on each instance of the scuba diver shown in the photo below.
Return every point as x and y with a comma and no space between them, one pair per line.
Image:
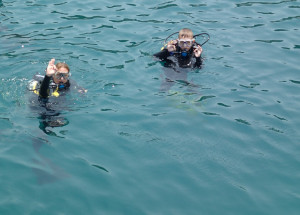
59,74
184,49
52,90
49,100
55,83
178,56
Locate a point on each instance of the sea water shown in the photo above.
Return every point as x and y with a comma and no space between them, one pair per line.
223,139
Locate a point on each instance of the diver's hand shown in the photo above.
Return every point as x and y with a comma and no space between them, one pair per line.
171,45
198,51
51,68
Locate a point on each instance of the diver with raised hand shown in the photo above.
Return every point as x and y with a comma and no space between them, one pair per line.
49,103
55,82
184,49
52,89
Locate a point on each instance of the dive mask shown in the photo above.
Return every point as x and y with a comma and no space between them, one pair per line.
185,43
59,75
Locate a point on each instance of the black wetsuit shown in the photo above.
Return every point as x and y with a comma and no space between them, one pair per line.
48,85
184,59
50,92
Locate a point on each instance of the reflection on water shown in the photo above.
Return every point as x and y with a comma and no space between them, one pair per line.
51,120
50,117
44,169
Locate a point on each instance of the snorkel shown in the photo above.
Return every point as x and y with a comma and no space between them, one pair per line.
184,52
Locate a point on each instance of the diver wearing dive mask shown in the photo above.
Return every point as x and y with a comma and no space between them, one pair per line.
56,79
56,82
185,48
62,78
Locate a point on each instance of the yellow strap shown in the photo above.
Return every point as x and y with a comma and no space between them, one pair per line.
162,48
55,93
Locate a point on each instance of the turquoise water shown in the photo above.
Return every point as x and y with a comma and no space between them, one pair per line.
223,140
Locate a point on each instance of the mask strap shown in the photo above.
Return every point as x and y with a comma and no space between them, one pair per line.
208,37
165,42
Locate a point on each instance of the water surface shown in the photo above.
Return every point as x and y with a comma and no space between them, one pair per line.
226,143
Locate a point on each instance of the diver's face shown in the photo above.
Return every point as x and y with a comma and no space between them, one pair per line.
61,76
185,43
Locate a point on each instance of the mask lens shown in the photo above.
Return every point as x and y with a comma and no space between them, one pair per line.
183,43
61,75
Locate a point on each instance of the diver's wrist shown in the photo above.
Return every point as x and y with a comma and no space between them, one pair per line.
48,75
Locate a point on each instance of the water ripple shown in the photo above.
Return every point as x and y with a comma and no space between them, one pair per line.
247,4
220,128
107,50
58,12
295,82
242,121
61,3
205,97
163,6
109,7
287,19
135,20
270,41
81,17
253,26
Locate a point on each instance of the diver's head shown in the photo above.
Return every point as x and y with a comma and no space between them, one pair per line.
62,74
186,39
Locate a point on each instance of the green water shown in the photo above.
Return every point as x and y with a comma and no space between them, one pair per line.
228,143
